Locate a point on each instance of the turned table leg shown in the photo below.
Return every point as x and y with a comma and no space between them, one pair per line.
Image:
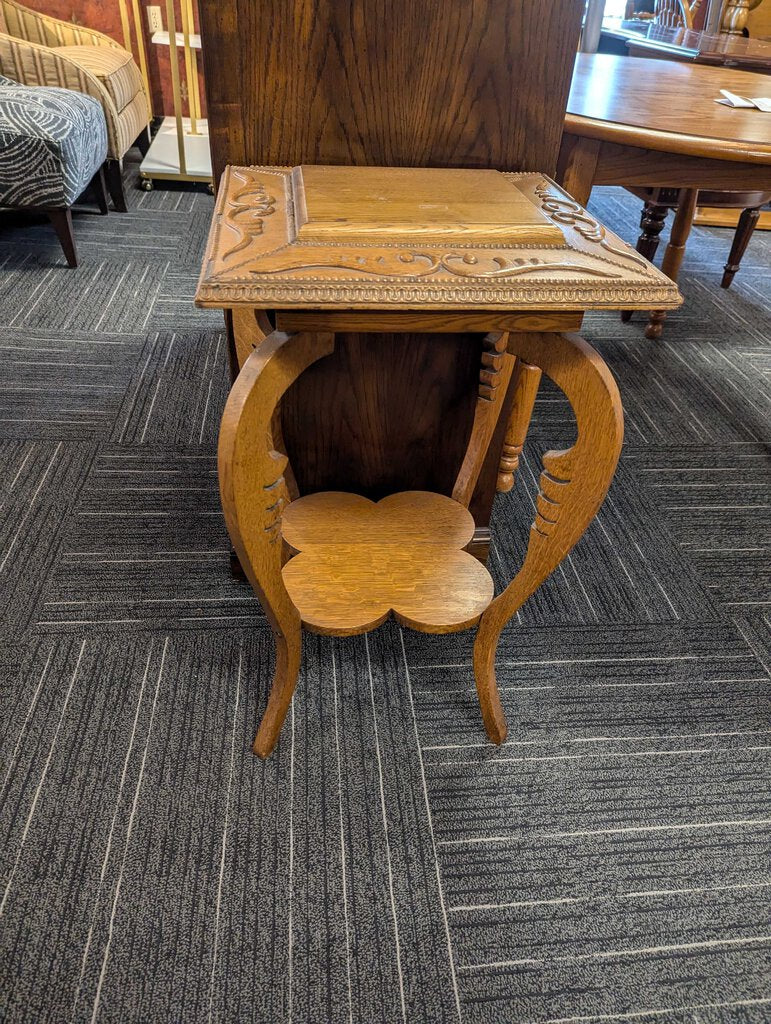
675,251
744,231
252,475
652,221
573,485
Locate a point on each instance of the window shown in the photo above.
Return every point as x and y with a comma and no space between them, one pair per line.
614,12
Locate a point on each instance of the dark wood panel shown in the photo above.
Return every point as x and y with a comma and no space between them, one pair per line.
478,83
383,413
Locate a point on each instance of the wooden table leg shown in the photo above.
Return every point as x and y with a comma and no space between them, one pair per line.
744,230
673,257
577,165
573,485
254,493
652,221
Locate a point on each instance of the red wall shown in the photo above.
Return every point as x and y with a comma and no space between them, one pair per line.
104,15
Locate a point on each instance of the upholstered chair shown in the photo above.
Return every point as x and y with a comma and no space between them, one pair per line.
38,50
53,143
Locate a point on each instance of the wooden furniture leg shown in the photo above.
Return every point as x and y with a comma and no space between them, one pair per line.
572,487
747,222
62,222
527,379
99,189
143,141
673,257
652,221
246,329
115,185
254,492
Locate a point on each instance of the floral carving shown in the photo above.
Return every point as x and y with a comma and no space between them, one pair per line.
565,211
417,264
255,257
250,204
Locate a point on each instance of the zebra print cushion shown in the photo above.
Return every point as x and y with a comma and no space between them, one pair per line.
52,142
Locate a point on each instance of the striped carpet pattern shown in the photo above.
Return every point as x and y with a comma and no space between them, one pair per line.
611,862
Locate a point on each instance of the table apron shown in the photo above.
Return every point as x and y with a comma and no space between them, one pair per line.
630,165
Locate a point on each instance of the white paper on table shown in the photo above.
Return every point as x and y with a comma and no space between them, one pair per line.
758,102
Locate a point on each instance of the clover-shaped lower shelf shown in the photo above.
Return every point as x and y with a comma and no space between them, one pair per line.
360,561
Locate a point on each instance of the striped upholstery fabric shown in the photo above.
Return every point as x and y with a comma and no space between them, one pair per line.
40,51
35,27
52,142
132,120
115,69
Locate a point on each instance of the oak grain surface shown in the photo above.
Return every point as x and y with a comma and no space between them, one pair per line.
359,562
668,106
445,83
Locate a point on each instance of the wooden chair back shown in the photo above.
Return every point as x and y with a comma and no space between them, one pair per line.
459,83
676,13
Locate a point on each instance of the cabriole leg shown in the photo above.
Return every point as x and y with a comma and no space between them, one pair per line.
573,485
252,475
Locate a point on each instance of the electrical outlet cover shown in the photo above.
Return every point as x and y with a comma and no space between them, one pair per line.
155,19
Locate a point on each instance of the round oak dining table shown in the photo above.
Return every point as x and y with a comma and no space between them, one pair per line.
651,123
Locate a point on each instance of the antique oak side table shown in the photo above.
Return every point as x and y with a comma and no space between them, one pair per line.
499,268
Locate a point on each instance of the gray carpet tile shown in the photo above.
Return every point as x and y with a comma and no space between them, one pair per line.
608,863
63,386
173,308
40,484
628,567
716,503
146,548
177,392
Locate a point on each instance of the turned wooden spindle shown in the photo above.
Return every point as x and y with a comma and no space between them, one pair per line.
527,379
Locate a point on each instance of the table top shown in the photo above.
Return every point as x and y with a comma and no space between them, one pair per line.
315,237
668,106
688,44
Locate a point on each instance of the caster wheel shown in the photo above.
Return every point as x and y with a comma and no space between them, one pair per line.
210,188
146,185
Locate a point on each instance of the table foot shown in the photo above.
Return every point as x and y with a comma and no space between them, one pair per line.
655,326
288,656
573,485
